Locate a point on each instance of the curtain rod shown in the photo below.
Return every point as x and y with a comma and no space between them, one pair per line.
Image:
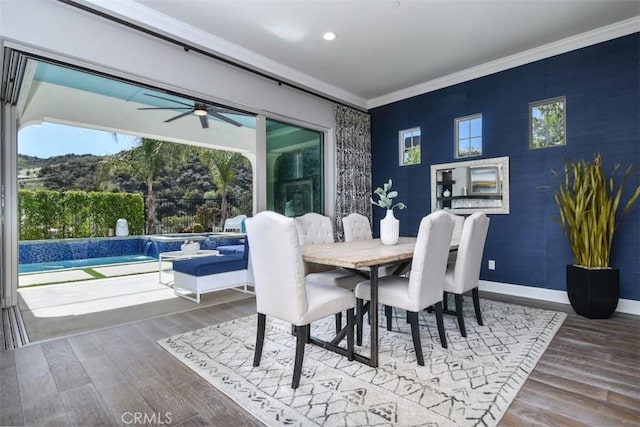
187,47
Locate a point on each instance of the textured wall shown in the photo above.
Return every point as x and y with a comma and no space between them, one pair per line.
601,85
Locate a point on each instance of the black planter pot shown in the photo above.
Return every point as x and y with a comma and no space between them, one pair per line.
593,293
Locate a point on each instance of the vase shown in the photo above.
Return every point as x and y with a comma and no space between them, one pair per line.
389,229
593,293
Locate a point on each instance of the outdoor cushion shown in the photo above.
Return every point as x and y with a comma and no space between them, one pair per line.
205,266
230,249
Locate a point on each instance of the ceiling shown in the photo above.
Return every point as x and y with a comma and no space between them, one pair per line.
63,95
382,46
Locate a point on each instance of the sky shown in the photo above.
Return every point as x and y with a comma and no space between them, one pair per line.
50,139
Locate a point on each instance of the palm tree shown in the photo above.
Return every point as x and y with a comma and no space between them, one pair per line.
144,163
223,165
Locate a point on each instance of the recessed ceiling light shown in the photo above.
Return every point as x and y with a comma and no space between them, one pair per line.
329,36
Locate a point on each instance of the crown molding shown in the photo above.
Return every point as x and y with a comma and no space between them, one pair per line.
579,41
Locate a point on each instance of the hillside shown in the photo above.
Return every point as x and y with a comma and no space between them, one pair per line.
80,172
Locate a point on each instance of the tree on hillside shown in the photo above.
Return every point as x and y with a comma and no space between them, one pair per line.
145,162
69,172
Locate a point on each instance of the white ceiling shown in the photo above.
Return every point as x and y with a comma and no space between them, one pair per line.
383,47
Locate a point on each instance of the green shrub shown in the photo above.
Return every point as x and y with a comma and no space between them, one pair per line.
46,214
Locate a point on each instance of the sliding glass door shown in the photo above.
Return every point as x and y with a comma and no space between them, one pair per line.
295,165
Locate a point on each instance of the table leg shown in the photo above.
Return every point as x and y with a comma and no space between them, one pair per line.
160,270
373,313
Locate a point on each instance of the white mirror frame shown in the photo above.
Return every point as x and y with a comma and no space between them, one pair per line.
501,162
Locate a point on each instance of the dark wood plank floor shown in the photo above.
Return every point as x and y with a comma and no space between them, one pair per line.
589,375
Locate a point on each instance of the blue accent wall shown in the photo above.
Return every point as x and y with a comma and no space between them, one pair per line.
601,84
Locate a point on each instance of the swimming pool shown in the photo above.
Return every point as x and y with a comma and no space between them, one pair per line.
79,263
52,255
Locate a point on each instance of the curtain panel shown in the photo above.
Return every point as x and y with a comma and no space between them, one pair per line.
353,164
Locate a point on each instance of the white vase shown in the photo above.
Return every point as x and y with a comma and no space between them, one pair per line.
389,229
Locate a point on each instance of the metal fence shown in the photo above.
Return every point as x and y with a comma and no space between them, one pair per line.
183,215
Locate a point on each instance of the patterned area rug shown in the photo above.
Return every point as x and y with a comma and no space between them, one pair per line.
473,382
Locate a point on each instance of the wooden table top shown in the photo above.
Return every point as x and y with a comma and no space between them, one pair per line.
361,253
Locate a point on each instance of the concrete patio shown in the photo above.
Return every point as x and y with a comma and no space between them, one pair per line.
129,293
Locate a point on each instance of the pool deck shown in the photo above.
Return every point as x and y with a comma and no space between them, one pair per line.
72,275
70,308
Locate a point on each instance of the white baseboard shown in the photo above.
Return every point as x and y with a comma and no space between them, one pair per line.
624,305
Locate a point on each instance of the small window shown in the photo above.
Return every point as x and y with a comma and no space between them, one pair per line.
468,134
409,147
547,123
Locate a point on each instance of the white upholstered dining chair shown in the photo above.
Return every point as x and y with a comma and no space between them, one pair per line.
315,229
281,289
423,288
458,223
356,227
464,275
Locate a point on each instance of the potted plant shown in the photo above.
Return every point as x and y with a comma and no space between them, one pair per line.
389,225
588,203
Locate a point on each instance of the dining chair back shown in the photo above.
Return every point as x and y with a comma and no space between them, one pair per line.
277,266
464,276
281,289
458,224
356,227
314,229
424,287
429,262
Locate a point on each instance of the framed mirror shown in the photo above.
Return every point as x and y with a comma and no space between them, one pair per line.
471,186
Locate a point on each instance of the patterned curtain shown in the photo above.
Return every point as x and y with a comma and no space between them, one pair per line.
353,164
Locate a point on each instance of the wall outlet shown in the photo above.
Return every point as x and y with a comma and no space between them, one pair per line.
492,264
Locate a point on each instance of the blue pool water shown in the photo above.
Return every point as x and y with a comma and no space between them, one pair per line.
79,263
52,255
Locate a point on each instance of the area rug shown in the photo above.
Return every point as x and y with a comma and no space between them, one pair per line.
473,382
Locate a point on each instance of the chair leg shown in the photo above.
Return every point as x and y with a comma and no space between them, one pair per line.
350,324
257,355
476,305
359,320
388,313
460,315
302,333
440,322
338,322
415,334
445,300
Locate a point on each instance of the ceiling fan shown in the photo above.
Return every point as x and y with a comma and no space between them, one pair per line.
200,109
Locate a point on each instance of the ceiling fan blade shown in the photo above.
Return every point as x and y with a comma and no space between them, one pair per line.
169,99
204,122
219,109
223,118
178,116
164,108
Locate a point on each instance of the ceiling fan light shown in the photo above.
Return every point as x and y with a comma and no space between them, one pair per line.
200,112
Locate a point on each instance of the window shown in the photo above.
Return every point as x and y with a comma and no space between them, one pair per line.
409,147
468,134
547,123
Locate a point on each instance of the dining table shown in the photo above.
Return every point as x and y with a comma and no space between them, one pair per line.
359,254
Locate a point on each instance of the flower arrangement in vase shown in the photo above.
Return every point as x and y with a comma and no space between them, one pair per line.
389,225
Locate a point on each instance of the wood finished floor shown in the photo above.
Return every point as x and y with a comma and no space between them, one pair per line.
589,375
